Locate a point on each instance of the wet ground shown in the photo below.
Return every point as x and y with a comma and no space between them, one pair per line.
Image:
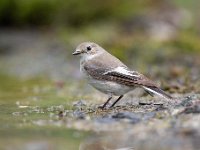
45,104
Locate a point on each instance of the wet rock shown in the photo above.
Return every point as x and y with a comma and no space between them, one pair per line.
194,108
105,120
190,104
79,114
148,115
188,100
79,104
16,113
60,114
133,117
148,127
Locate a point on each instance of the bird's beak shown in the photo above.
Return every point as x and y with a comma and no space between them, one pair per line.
76,52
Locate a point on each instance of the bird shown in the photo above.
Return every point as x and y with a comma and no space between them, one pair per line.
110,76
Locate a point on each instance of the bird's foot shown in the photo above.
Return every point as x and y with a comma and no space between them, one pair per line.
105,107
102,107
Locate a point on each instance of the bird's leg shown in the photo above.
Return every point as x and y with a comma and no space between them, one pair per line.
116,101
104,105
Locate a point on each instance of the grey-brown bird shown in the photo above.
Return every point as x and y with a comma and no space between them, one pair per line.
109,75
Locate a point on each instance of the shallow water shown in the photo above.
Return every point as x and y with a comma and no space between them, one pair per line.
24,102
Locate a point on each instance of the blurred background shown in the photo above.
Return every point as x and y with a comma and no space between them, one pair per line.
160,38
38,36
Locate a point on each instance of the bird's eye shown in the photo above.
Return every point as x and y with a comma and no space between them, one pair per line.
89,48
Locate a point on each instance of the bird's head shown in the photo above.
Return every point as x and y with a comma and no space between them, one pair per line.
88,50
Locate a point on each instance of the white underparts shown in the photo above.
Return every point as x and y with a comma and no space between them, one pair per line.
109,87
86,56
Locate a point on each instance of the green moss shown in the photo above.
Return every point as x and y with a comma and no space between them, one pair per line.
187,42
67,12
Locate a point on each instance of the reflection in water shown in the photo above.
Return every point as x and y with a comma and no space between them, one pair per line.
139,139
107,141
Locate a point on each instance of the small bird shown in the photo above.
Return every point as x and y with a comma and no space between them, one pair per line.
109,75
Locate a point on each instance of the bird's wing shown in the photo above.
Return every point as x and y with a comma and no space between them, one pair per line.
121,75
125,76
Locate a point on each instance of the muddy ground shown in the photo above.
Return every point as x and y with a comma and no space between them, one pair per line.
46,104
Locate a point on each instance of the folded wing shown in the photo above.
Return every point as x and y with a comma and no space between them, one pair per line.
123,75
131,78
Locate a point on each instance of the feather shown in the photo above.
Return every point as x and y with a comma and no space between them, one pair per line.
157,91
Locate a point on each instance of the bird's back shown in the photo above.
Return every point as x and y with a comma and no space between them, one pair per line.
105,61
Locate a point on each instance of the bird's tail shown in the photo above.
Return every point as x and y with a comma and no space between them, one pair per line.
152,90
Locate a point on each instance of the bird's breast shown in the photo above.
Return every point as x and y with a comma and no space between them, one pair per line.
83,71
109,87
